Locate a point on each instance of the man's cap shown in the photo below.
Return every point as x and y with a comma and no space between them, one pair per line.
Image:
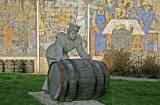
74,27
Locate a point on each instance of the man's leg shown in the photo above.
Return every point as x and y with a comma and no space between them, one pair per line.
45,84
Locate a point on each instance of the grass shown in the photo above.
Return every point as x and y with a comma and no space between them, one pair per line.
14,90
123,92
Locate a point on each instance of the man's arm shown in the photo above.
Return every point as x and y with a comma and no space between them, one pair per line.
107,17
59,51
94,18
81,51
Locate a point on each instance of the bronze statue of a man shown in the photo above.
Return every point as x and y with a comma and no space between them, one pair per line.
63,44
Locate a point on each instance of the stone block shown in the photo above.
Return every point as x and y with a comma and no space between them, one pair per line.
46,100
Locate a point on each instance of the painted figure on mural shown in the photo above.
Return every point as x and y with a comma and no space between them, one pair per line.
139,8
147,20
41,25
81,19
15,33
23,37
34,36
131,11
62,23
81,16
120,12
1,31
111,6
63,44
7,32
125,2
100,19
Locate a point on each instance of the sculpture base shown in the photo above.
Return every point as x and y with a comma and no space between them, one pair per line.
46,100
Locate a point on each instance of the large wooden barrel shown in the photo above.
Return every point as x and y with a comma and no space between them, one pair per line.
9,65
29,66
77,79
1,66
19,65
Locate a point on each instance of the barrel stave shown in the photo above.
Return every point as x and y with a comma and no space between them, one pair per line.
53,80
100,80
107,77
85,72
72,82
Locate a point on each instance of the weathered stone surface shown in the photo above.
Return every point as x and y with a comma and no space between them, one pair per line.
46,100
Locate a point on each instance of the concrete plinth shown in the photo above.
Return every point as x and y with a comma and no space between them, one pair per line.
46,100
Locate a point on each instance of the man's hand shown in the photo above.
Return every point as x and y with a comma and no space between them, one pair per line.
61,58
87,56
58,58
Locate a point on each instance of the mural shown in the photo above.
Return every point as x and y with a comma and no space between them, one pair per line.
18,28
132,25
108,30
55,17
110,25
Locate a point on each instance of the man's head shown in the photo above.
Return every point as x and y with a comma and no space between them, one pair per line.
110,3
72,31
147,5
139,3
131,4
120,3
100,6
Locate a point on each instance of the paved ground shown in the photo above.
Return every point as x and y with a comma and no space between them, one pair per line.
134,79
46,100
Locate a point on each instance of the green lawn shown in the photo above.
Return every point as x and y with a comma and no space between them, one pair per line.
14,89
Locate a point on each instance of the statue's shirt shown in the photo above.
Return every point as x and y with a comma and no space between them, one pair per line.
62,41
